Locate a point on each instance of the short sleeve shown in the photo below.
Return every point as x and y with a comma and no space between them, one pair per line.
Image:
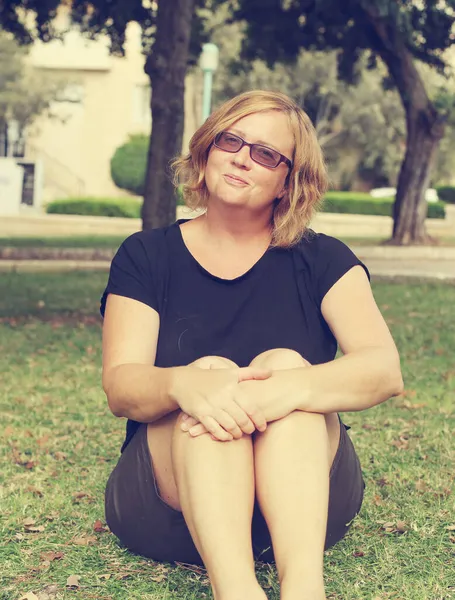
131,274
332,259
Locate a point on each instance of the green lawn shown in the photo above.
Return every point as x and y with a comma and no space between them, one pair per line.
60,442
77,241
114,241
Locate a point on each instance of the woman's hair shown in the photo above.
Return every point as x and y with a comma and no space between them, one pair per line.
305,183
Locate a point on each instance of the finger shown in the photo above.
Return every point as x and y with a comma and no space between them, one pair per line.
197,429
227,421
251,409
215,429
246,373
240,417
188,423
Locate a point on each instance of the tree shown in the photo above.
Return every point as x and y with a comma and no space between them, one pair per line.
361,126
399,32
166,37
24,94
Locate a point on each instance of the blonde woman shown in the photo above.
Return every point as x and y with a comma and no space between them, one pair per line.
219,344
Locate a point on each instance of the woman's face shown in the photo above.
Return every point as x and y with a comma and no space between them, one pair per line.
235,178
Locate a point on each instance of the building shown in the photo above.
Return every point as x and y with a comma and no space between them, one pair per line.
106,99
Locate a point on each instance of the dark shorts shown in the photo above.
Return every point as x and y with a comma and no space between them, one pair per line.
146,525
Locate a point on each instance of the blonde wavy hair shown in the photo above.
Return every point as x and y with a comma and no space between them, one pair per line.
306,182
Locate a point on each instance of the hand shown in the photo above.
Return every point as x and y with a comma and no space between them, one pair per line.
274,396
208,396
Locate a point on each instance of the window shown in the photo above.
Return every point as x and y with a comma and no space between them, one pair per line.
141,105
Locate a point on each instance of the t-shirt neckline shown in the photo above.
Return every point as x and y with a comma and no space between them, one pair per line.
245,275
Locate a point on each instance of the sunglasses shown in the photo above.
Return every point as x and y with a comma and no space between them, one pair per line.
260,154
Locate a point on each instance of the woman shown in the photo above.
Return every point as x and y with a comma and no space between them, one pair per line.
219,340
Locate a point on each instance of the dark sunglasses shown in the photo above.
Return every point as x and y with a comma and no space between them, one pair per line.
260,154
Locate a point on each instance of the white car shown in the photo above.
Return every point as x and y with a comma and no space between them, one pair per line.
431,195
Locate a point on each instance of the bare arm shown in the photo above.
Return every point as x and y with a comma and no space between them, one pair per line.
369,372
134,387
138,390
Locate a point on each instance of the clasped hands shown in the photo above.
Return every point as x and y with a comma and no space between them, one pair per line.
227,403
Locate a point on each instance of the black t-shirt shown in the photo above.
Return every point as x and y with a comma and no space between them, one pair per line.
276,304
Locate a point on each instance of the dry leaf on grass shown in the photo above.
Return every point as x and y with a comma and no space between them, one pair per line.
34,490
392,527
78,497
411,406
401,443
73,581
29,596
52,516
50,556
98,527
84,540
377,500
29,526
382,482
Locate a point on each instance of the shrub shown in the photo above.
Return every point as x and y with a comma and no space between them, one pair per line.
335,202
129,163
446,193
358,203
99,207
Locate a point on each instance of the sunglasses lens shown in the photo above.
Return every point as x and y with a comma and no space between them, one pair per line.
261,154
228,142
265,156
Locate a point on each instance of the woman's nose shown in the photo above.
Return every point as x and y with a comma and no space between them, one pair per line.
242,157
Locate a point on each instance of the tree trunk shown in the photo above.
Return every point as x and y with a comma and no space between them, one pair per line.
410,208
425,129
166,66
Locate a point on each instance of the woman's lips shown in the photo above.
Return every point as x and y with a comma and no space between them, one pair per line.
234,179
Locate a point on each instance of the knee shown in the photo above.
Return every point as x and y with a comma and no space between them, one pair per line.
280,358
213,362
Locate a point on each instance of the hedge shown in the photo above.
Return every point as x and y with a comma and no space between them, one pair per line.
353,203
446,193
358,203
129,163
99,207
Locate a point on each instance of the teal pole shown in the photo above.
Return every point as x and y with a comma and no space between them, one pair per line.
207,95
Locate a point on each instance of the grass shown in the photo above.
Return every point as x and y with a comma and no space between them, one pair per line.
77,241
114,241
60,443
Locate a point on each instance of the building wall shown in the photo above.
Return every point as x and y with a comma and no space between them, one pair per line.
106,99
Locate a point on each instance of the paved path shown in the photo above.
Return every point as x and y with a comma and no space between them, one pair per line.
438,268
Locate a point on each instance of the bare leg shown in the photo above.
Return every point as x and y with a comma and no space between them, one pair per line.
292,463
213,484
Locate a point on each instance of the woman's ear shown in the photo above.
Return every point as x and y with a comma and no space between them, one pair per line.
282,193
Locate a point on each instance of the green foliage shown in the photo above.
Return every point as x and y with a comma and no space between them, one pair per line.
357,203
99,207
129,164
361,127
25,92
446,193
423,28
